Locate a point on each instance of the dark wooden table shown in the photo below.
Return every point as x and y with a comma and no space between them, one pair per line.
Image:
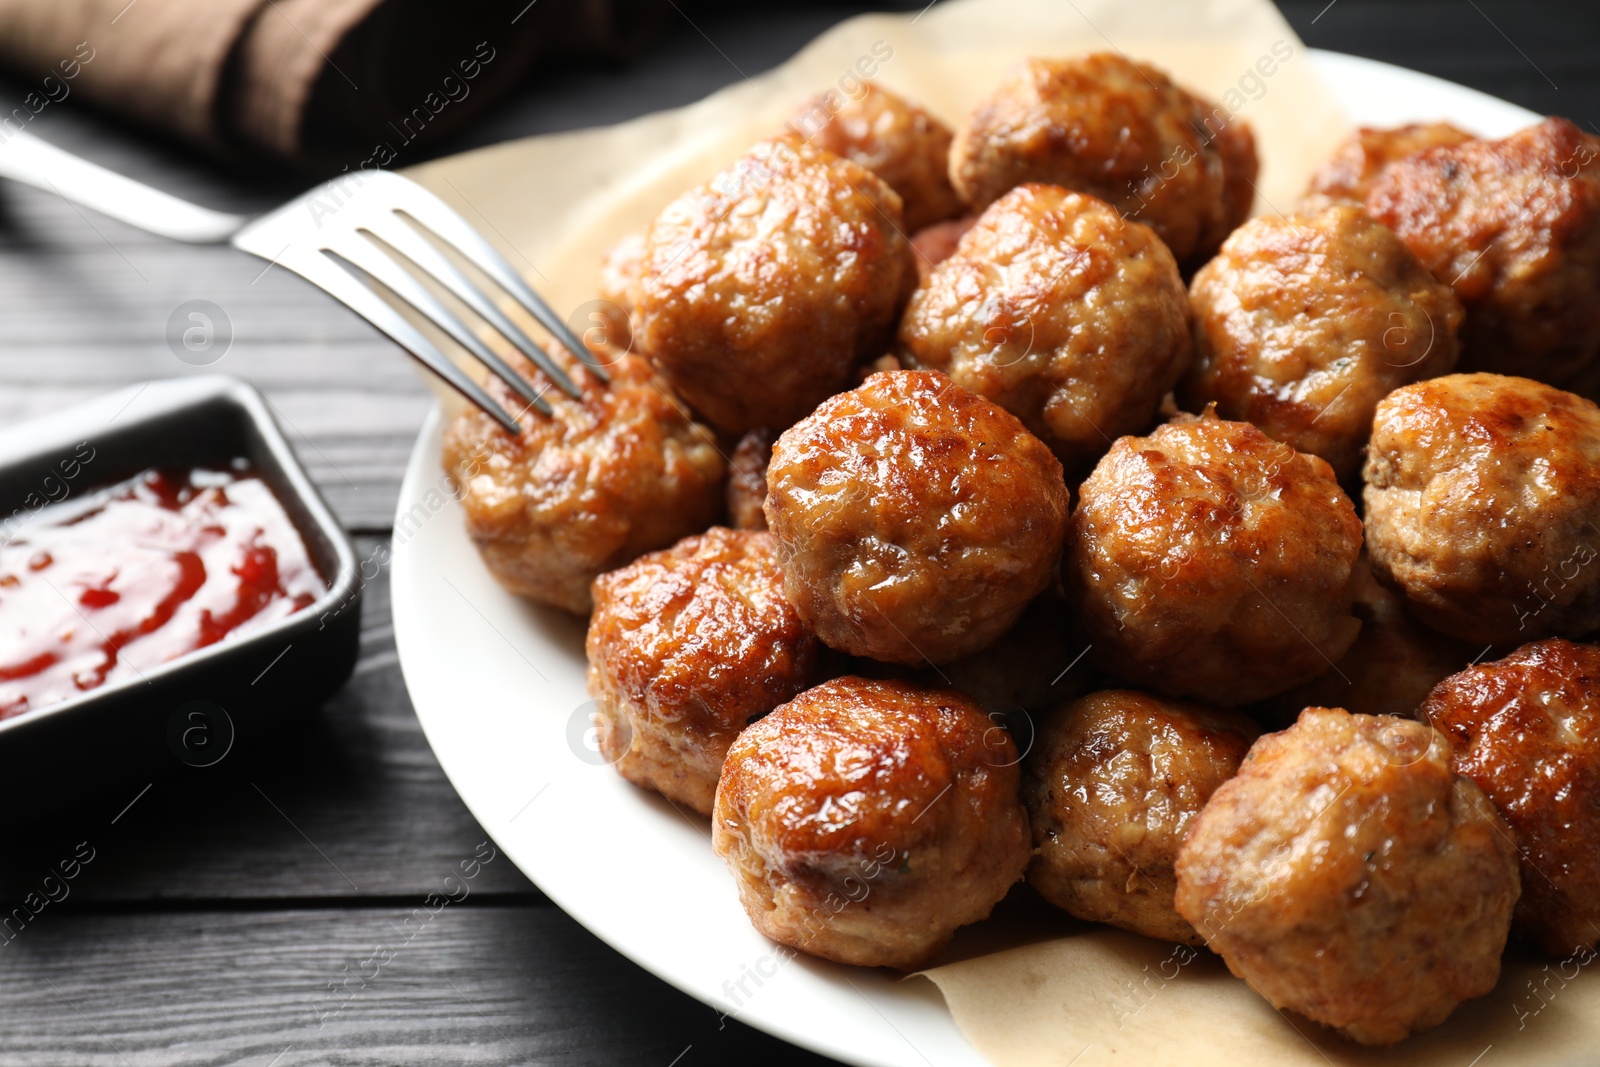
225,914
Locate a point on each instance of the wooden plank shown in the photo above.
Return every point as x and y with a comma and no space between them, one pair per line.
473,984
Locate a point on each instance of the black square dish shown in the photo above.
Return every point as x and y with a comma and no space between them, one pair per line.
191,710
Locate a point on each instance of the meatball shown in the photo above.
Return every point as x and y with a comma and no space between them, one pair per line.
604,478
1395,662
1060,311
1214,563
937,243
1034,666
1527,729
1304,322
1112,785
1118,130
1365,154
864,821
747,480
1482,498
687,646
893,138
761,290
1514,227
1347,873
915,519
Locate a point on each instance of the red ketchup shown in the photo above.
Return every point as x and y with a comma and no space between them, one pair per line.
100,589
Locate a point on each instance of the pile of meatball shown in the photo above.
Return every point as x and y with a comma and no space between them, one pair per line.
1006,504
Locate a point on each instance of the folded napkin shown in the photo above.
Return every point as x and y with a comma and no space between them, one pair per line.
320,83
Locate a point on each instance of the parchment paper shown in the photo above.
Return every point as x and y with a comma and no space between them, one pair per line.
1031,987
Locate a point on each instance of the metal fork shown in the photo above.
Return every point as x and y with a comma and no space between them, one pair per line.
327,237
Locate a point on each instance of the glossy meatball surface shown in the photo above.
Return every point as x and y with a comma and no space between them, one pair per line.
1060,311
1527,729
761,290
1364,155
1302,323
1213,563
893,138
1118,130
1349,874
747,480
686,647
1514,227
864,821
607,477
937,243
915,520
1112,785
1483,504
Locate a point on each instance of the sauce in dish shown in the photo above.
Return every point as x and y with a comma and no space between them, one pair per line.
134,575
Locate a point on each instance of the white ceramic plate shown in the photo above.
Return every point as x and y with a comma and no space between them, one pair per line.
499,686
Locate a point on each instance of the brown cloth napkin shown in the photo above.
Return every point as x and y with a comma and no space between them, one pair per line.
320,83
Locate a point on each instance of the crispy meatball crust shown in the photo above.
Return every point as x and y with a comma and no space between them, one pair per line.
1060,311
1112,785
1120,131
893,138
761,290
687,646
915,519
605,478
1347,873
1527,729
747,480
1514,227
1214,563
1482,499
864,821
1302,323
1365,154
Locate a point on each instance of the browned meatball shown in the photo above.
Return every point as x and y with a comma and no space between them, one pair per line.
1120,131
747,480
915,519
893,138
687,646
1514,227
1365,153
1302,323
864,821
1060,311
1036,665
1112,785
937,243
1214,563
1395,662
587,489
1527,729
761,290
1347,873
1482,499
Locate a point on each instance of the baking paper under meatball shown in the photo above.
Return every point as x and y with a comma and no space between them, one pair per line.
761,290
1514,227
1112,785
1482,505
915,519
1213,563
893,138
686,647
1302,323
1118,130
1527,729
1060,311
864,821
587,489
1364,155
747,480
1347,873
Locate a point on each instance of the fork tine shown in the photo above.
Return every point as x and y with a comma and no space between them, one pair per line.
360,252
434,214
323,272
399,235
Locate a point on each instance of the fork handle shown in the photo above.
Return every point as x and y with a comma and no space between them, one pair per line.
25,158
